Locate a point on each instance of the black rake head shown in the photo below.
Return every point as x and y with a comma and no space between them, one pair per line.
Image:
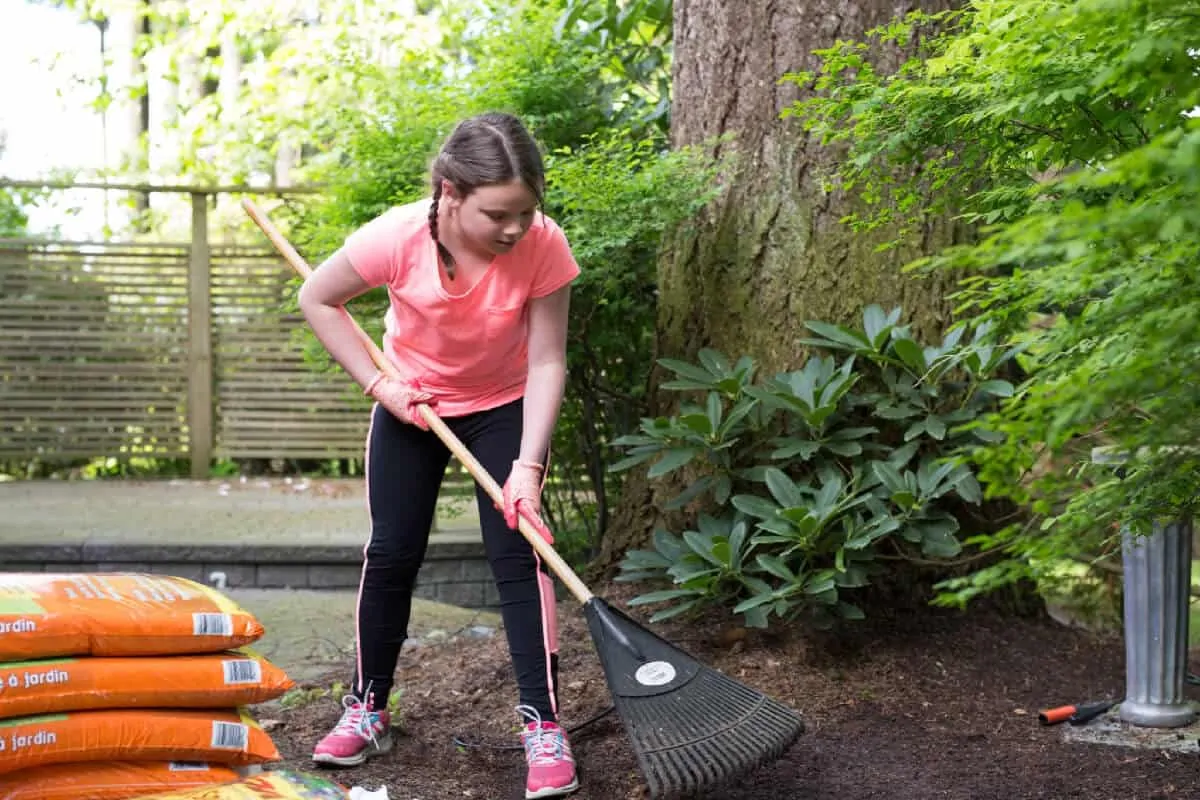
691,727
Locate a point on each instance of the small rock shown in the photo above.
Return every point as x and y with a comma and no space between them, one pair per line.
479,632
271,725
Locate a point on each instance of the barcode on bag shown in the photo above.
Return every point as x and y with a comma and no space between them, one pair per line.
243,671
188,766
230,735
212,625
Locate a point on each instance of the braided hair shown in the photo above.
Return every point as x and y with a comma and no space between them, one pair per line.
486,149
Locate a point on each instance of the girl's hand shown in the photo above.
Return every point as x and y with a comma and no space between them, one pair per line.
400,398
523,497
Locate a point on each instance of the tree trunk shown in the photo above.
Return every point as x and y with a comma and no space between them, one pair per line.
771,253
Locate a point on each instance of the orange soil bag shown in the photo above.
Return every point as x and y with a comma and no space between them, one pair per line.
284,784
43,615
220,680
110,781
221,737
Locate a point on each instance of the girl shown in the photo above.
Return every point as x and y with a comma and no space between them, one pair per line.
479,287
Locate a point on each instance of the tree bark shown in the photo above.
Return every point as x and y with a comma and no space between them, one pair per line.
771,253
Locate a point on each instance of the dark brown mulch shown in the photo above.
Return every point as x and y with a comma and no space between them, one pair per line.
918,707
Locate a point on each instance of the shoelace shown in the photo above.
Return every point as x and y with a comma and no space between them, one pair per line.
356,719
543,745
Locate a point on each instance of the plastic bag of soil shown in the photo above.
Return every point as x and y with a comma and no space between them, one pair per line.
282,784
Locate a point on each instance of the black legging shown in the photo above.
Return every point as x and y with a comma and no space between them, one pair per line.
405,466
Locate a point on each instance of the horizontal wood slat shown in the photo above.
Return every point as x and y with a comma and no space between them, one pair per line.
270,402
92,342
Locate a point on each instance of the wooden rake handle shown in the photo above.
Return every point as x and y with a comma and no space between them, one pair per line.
548,554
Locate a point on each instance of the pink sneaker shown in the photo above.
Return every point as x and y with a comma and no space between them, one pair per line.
551,765
359,735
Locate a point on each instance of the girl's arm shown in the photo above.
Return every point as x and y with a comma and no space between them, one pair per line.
332,284
547,372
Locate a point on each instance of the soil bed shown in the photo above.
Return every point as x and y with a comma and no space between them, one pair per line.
915,707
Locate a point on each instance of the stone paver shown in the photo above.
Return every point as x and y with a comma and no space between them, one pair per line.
311,633
288,512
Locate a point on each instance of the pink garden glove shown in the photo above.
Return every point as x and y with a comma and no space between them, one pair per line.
523,496
400,397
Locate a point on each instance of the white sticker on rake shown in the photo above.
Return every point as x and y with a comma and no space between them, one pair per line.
655,673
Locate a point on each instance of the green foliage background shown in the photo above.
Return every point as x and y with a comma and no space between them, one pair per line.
1068,132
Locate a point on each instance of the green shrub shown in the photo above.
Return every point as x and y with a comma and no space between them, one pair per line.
813,473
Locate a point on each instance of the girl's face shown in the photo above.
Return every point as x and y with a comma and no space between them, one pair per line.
493,218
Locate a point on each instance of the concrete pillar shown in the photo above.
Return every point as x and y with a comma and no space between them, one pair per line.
1157,582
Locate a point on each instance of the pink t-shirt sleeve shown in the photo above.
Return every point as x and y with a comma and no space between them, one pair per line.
556,263
374,249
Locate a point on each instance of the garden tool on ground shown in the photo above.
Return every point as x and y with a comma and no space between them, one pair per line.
1075,714
691,727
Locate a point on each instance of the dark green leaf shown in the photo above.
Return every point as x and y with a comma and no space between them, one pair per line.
938,542
671,461
888,411
877,325
661,596
668,544
846,449
668,613
784,489
630,461
845,434
835,335
820,583
755,506
997,388
775,566
756,617
714,362
702,546
753,602
968,488
911,354
888,475
792,448
686,370
715,411
722,487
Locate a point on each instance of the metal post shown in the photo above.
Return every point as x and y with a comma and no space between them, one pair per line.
1157,583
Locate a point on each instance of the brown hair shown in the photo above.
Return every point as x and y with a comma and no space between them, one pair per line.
485,149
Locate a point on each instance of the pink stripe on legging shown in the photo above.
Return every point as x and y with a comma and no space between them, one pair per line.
363,575
549,608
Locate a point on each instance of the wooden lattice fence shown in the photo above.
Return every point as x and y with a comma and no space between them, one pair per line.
93,350
168,350
269,403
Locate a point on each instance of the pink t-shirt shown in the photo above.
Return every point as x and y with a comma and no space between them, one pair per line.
470,350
